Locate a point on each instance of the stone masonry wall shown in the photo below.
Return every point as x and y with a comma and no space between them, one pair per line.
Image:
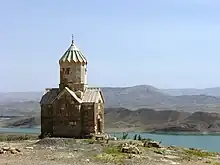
75,78
88,123
46,119
66,117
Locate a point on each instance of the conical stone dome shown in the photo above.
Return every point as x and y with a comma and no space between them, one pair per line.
73,54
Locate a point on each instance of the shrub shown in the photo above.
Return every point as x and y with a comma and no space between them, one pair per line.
125,135
135,137
139,137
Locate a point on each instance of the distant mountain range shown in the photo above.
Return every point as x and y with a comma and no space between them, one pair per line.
140,107
141,96
145,96
215,91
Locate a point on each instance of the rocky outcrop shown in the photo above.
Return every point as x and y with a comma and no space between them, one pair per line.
5,150
154,144
130,148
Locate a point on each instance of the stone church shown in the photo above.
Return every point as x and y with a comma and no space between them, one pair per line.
73,109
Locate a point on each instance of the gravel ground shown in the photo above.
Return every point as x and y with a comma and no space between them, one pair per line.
80,152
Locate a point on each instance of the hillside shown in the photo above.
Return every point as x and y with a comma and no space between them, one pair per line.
215,91
25,108
8,97
145,96
168,120
141,119
142,96
121,119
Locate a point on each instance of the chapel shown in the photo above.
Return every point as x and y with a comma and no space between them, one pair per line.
73,109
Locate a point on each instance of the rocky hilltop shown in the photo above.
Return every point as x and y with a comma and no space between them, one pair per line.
27,149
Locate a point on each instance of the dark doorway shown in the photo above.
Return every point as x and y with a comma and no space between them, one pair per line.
99,124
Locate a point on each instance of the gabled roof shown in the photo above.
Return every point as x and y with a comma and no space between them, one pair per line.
66,89
91,95
49,95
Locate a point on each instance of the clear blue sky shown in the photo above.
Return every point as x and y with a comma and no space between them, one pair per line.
167,44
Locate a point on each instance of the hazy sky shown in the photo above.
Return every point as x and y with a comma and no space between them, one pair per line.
164,43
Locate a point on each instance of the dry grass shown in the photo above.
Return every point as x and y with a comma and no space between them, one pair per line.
80,152
5,137
199,153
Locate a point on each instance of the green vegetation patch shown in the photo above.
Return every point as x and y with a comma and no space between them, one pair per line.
16,137
92,141
112,150
199,153
112,154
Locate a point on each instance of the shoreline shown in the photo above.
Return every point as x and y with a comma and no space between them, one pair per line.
183,133
187,133
6,130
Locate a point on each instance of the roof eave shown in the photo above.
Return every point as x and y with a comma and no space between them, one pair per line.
62,92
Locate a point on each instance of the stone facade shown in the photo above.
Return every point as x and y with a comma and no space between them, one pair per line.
73,109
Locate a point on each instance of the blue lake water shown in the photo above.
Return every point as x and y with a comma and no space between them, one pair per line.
20,130
207,142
